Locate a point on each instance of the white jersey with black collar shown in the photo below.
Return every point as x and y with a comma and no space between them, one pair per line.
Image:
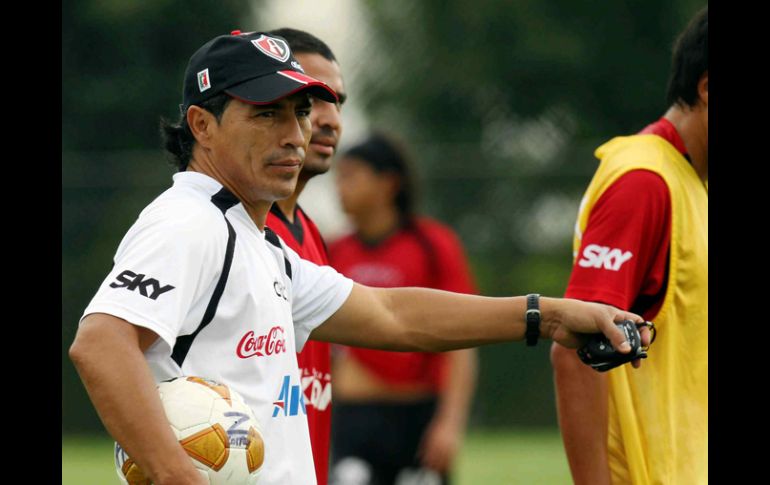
229,303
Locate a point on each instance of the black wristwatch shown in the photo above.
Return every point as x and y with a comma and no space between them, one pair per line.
533,318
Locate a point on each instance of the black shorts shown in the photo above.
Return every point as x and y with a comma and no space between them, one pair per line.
382,438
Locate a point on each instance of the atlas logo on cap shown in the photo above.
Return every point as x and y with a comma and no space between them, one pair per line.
203,80
270,46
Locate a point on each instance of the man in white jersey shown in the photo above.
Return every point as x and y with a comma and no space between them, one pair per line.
201,287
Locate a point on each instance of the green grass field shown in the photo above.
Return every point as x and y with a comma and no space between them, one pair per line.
528,457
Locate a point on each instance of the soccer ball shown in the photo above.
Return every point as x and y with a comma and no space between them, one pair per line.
216,428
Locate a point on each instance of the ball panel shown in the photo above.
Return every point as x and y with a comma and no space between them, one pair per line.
185,405
220,389
133,474
210,446
255,451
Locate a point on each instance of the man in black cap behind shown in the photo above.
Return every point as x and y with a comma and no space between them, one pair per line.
201,287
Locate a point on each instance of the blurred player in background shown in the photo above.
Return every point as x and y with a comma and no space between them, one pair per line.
396,411
298,231
641,243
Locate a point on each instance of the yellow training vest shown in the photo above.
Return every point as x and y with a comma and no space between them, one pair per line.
658,414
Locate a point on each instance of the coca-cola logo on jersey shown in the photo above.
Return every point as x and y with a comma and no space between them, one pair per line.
273,342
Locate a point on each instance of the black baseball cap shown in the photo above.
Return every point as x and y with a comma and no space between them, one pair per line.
254,67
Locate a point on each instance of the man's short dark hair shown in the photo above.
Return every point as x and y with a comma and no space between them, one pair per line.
690,61
302,42
178,140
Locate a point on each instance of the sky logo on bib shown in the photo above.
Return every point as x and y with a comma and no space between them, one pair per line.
273,47
595,256
290,401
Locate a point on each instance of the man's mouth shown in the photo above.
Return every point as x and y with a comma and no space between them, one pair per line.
323,145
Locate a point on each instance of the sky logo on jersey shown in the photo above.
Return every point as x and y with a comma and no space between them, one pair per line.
290,400
273,342
149,287
595,256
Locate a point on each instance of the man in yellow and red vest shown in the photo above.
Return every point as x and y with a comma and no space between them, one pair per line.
641,244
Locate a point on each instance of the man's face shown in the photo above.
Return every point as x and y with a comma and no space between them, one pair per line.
325,118
259,149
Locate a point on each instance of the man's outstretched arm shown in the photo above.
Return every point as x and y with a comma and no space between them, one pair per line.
426,320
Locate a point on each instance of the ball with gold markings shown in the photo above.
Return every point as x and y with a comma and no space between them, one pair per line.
216,428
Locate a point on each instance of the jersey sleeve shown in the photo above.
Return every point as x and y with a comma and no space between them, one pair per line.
624,247
317,292
165,267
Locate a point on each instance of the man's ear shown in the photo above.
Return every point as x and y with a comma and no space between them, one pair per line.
703,88
202,124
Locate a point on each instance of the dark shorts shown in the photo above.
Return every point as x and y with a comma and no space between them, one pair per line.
380,441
